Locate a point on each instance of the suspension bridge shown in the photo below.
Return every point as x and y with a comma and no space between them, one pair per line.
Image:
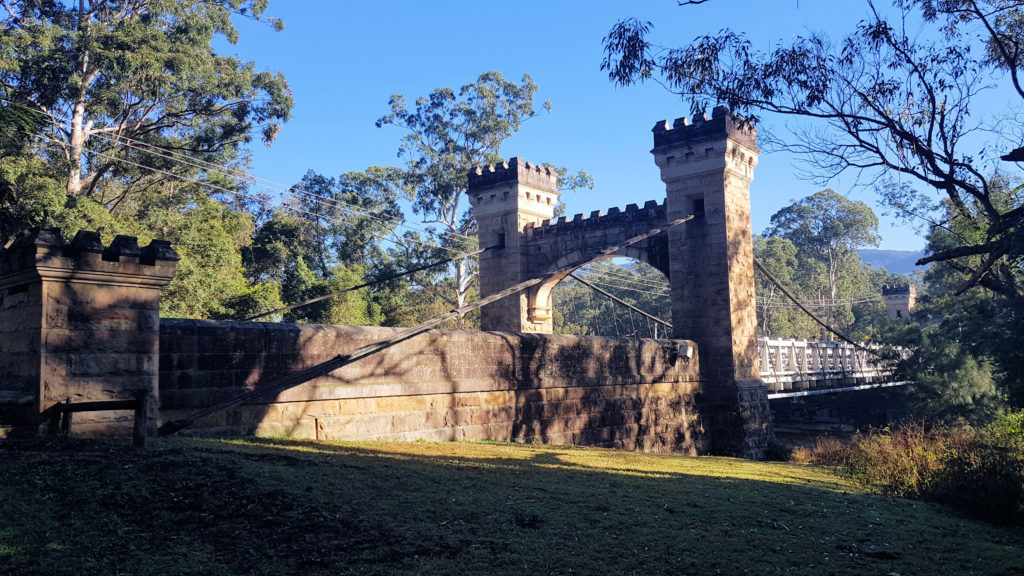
80,324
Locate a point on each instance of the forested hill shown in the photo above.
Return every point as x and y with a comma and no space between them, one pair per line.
894,261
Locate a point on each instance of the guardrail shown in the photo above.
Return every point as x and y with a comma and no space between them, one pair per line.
787,365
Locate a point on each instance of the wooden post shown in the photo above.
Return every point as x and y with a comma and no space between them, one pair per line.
141,409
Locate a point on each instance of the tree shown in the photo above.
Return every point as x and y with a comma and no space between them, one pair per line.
827,228
450,133
982,323
126,120
125,83
325,240
880,102
578,309
779,318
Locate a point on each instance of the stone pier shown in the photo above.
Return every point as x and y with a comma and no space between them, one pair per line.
80,321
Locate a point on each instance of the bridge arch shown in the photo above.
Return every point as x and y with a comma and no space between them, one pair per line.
540,298
707,165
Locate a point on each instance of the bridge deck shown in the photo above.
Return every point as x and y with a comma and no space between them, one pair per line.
802,367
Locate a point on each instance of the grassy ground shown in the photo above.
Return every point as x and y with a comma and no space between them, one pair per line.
285,507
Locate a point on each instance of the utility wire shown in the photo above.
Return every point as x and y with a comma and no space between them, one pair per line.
239,175
625,277
819,321
618,300
239,193
244,177
374,282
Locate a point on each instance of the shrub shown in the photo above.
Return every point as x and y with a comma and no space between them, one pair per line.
979,472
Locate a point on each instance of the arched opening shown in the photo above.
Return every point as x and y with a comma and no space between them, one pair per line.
584,310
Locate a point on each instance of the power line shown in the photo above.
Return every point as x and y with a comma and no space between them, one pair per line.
239,193
239,175
245,177
374,282
618,300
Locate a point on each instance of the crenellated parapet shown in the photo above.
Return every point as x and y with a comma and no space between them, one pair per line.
43,253
687,132
514,170
80,322
652,213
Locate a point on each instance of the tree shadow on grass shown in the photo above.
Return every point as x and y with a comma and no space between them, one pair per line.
286,507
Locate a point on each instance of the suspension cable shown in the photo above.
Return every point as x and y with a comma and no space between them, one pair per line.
342,360
817,320
618,300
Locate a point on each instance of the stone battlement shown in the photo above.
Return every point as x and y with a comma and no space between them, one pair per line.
514,170
898,290
722,124
651,211
42,251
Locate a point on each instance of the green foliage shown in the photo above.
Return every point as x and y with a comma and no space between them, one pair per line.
136,81
326,244
208,236
811,248
979,472
988,322
450,132
1007,431
581,310
950,385
111,112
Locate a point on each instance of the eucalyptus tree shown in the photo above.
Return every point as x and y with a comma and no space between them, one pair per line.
827,228
450,132
326,237
127,84
897,100
139,125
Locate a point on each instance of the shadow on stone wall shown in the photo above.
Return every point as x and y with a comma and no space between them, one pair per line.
437,386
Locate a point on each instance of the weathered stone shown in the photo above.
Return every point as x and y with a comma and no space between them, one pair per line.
83,321
443,385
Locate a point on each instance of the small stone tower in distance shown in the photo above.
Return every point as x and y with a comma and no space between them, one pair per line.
505,198
899,301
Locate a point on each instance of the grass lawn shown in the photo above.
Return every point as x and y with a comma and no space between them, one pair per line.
250,506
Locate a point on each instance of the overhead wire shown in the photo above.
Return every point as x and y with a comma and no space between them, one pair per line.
618,300
771,278
239,193
242,176
369,284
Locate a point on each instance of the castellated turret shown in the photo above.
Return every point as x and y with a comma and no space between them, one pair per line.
506,198
899,301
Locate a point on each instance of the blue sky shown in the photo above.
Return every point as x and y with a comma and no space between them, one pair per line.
344,59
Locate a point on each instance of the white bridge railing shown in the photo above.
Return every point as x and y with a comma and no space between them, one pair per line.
800,365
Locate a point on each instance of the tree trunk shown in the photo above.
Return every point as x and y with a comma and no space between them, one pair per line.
78,125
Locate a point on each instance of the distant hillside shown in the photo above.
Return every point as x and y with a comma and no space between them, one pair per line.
895,261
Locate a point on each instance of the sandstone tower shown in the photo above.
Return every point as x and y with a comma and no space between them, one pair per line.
506,199
899,301
707,166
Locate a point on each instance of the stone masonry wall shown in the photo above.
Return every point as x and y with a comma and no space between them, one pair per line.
79,322
633,394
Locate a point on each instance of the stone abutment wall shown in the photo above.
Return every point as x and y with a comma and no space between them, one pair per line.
633,394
